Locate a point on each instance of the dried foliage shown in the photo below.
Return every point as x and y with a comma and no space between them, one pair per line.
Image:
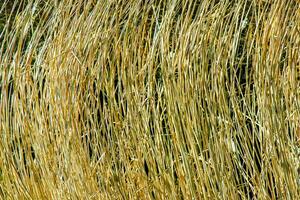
149,99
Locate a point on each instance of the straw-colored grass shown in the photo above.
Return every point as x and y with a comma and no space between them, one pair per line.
149,99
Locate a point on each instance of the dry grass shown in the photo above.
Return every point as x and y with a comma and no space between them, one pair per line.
156,99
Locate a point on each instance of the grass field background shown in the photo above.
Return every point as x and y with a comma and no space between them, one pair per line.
154,99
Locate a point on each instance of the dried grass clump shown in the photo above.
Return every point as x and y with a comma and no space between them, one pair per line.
156,99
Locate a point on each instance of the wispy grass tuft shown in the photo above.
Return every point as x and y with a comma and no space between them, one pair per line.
151,99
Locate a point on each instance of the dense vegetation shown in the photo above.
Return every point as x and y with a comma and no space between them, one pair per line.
149,99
